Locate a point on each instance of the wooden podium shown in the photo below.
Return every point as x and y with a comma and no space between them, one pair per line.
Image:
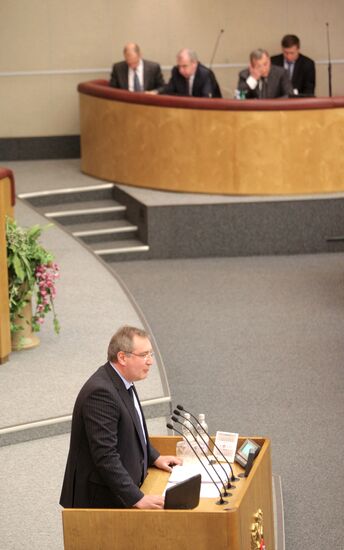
234,526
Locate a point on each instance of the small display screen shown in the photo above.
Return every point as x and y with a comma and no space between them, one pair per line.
247,447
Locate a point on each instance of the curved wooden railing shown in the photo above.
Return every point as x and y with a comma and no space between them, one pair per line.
101,88
7,201
271,146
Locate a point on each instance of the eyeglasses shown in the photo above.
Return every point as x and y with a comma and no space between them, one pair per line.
144,355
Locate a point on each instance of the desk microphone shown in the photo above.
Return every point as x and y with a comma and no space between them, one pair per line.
175,419
220,501
329,60
215,47
178,413
233,478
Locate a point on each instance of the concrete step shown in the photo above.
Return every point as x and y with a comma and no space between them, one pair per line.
64,196
126,245
120,250
92,215
103,239
82,207
98,228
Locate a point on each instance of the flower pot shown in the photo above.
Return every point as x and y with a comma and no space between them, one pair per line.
24,338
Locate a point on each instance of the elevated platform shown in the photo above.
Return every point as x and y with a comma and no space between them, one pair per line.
160,224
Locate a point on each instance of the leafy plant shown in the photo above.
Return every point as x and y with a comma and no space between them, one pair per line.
31,273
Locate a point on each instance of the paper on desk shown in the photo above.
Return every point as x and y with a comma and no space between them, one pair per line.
180,473
227,443
208,490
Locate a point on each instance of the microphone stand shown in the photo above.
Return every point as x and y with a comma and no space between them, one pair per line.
233,478
175,419
229,485
220,501
329,61
215,48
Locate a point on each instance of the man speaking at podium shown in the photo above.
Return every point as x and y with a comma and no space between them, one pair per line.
109,447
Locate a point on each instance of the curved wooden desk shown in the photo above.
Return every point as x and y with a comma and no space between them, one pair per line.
279,146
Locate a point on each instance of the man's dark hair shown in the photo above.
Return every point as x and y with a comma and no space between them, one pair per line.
290,40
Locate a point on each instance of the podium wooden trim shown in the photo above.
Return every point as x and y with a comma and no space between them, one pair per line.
6,209
206,527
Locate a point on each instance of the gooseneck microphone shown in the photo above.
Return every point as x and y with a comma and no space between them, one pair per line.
215,47
221,500
229,486
175,419
329,60
233,478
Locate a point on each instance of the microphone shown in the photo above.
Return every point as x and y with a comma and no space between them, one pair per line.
215,47
229,486
175,419
233,478
220,501
329,60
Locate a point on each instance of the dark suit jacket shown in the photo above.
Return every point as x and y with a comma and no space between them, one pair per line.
152,75
277,84
105,465
303,78
204,84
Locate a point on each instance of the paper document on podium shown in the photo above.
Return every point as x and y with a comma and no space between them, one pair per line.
227,443
180,473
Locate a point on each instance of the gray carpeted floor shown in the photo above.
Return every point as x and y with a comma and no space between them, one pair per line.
257,345
254,343
91,304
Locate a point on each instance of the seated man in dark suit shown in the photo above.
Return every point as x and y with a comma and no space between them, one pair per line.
136,74
262,80
110,449
301,69
191,78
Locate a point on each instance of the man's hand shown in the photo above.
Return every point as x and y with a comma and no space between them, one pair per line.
255,71
150,502
167,462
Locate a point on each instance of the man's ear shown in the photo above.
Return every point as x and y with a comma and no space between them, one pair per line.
121,357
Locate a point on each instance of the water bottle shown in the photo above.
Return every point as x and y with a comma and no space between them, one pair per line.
205,441
240,94
187,428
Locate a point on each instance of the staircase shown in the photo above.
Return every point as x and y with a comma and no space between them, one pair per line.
95,217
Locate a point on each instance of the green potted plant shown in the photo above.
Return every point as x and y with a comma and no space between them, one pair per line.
32,274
